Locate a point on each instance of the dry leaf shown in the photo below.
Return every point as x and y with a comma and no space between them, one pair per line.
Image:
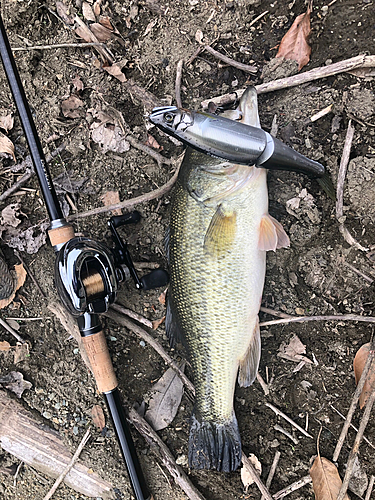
153,143
97,8
14,382
21,352
63,12
29,240
77,83
116,71
111,198
199,36
164,399
6,146
150,26
20,277
87,12
109,136
105,21
294,44
246,475
157,322
162,297
98,417
293,351
326,479
6,122
70,107
9,215
358,365
102,33
5,346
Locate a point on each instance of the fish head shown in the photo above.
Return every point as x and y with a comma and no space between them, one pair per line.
171,119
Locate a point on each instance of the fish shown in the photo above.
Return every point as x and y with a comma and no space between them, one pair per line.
218,236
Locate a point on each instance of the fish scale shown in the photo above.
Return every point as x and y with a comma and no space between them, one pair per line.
217,269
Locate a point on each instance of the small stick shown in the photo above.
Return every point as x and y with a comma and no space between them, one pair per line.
351,425
278,427
353,404
243,67
342,170
127,204
132,315
321,113
370,487
10,330
60,46
249,466
354,451
302,319
275,313
292,487
159,448
16,474
292,81
153,343
257,18
180,65
272,471
30,274
281,414
263,385
70,465
161,160
360,273
146,265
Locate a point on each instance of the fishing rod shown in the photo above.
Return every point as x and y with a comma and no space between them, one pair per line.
87,275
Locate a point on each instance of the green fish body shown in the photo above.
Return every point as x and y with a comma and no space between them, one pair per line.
219,233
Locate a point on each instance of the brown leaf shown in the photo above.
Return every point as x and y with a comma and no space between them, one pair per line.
358,365
63,12
162,297
157,322
97,8
6,122
70,107
88,12
293,351
20,277
5,346
326,479
21,353
15,382
105,21
294,44
111,198
102,33
98,417
247,477
84,33
78,83
153,143
6,146
115,70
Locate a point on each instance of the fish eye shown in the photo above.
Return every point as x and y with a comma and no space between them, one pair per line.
168,117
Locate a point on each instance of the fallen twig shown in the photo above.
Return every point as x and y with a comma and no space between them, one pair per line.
272,471
30,274
133,315
255,476
11,331
278,427
146,149
127,204
70,465
292,81
180,65
352,426
161,450
243,67
355,449
302,319
275,313
60,46
292,487
258,18
263,385
353,404
294,424
122,320
369,488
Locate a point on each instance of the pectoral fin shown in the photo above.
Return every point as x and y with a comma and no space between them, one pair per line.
272,234
221,232
250,362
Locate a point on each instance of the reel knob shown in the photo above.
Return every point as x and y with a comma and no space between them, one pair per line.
155,279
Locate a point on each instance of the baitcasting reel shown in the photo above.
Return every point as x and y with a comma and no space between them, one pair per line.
88,273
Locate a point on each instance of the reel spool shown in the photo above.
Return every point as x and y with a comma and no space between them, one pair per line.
88,273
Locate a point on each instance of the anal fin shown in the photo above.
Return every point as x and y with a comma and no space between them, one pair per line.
249,364
172,329
272,234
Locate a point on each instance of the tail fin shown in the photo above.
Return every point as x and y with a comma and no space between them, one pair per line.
214,445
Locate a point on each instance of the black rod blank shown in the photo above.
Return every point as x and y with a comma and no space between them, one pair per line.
36,151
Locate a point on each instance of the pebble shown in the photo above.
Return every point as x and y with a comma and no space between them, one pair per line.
142,343
47,414
75,430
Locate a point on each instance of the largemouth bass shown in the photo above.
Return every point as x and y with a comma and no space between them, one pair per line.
219,233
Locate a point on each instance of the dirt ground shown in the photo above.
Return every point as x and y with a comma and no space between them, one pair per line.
319,274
